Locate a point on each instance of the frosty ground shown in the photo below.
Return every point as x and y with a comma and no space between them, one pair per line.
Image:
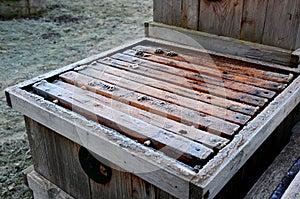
66,32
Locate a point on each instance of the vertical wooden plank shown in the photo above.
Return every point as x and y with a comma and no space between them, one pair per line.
158,10
167,12
221,17
56,158
282,23
190,14
254,16
119,186
142,189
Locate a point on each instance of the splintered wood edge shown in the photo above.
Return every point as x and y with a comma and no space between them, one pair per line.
157,32
219,170
128,154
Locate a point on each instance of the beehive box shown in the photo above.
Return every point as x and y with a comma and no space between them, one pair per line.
155,119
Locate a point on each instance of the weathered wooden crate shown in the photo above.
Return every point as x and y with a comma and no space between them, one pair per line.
155,119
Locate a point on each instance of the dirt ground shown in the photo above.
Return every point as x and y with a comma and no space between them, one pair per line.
67,32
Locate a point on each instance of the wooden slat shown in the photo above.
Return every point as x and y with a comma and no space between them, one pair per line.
209,140
190,14
216,73
206,108
253,22
198,86
282,23
225,64
246,88
172,144
222,102
173,98
221,17
181,114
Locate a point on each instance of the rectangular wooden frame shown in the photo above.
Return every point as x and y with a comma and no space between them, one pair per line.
185,183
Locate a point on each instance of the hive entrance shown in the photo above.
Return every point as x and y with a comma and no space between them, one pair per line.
187,104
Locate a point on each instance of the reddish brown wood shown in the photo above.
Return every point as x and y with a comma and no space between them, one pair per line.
149,66
209,140
216,73
190,84
181,114
202,107
223,63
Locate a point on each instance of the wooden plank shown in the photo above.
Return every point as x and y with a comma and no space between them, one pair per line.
181,114
195,85
209,140
98,139
205,97
170,143
190,14
184,74
55,157
225,64
44,189
209,71
206,88
253,22
170,97
119,186
167,12
282,23
221,17
293,191
240,49
142,189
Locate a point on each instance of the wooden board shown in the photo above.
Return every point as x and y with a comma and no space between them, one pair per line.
75,117
281,28
221,17
190,14
267,22
253,21
231,46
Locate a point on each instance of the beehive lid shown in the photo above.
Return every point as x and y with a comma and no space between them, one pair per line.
159,109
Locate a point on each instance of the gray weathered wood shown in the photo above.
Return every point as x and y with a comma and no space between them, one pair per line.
55,157
253,22
221,17
231,46
43,188
282,23
190,14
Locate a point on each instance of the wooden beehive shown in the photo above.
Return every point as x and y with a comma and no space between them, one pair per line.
159,119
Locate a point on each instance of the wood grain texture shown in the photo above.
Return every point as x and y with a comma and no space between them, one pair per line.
171,111
190,14
221,17
55,157
205,97
253,22
282,23
44,189
167,12
209,140
220,44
